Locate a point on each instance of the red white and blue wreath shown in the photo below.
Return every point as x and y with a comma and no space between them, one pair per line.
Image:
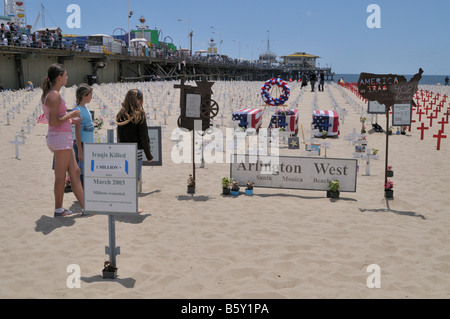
284,94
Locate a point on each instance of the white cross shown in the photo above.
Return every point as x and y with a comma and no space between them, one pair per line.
17,142
165,116
28,126
325,145
8,116
368,158
221,119
349,137
343,114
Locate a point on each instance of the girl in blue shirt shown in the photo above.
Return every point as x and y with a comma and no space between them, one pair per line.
84,129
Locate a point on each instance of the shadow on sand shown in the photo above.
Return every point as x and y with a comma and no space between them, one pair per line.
389,210
126,282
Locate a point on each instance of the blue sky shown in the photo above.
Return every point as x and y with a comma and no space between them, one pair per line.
413,33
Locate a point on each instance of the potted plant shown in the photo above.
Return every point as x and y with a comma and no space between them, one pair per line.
390,172
234,188
191,185
324,134
404,130
226,183
389,132
249,188
388,189
374,151
333,189
109,270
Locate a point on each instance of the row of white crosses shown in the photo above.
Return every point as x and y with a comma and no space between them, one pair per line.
17,102
354,138
342,112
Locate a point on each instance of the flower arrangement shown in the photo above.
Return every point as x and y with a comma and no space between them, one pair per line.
333,189
390,172
98,122
190,181
363,127
226,182
234,186
374,151
334,186
390,130
249,188
389,185
287,112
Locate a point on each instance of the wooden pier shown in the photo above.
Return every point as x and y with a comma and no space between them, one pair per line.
22,64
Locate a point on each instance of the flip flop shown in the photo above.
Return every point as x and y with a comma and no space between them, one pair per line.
140,211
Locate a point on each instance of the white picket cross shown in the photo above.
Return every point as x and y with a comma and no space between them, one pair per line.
17,143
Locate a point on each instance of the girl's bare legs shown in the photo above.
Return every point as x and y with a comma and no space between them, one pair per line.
62,160
75,181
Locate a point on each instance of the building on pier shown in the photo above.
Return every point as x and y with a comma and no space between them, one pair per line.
302,62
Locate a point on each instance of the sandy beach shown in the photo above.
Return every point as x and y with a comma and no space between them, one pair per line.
279,243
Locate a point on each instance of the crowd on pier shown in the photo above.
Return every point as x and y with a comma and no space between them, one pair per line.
10,35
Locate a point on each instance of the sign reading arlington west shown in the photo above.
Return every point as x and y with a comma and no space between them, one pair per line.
313,173
110,172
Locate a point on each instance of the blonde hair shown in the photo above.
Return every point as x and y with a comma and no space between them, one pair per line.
132,109
82,91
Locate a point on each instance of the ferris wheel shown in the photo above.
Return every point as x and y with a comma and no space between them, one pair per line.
16,11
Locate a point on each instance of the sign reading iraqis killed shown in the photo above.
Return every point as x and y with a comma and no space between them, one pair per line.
110,172
388,89
313,173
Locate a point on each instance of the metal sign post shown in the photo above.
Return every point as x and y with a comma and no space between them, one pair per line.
387,89
110,188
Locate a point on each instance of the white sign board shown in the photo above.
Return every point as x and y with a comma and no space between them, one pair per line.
155,137
376,108
313,173
193,104
110,172
401,114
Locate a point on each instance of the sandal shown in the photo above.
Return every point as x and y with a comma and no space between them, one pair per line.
66,212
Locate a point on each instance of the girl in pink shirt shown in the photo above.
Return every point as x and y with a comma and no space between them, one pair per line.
59,137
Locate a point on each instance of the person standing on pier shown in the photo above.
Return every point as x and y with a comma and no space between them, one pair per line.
446,80
321,81
313,79
304,78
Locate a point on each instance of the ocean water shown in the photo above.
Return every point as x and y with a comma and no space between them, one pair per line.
426,79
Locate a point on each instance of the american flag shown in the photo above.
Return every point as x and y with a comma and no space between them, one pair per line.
248,117
326,121
42,119
289,121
